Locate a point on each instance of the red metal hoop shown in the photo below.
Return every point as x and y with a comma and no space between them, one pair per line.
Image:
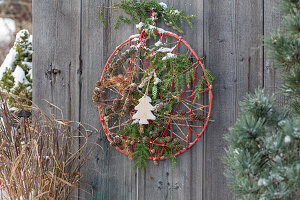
208,89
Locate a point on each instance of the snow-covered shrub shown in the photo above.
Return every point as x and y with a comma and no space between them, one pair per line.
16,70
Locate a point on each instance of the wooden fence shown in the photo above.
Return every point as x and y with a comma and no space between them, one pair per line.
68,36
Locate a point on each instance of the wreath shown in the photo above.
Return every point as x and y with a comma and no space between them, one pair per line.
154,95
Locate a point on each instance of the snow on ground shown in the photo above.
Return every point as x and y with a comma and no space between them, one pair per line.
7,30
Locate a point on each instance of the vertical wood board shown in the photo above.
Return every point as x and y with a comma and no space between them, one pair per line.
56,45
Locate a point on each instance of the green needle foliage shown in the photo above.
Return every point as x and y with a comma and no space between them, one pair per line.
140,11
263,157
140,155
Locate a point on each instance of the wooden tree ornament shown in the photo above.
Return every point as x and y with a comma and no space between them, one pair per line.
144,110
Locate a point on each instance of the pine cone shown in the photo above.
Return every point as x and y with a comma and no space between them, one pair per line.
118,140
113,116
169,145
127,102
125,93
173,146
176,141
127,106
132,88
197,117
113,144
161,128
102,94
146,139
162,140
97,91
98,84
193,117
115,72
141,128
154,134
159,107
126,110
200,117
159,140
181,113
119,62
132,142
179,147
108,111
168,139
96,99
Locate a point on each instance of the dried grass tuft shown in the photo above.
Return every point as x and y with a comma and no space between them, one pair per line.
40,156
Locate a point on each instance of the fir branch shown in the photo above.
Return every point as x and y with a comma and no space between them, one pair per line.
262,159
136,11
140,155
101,17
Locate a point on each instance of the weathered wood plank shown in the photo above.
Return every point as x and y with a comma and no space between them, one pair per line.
232,44
185,181
219,48
272,80
92,50
108,174
56,45
272,19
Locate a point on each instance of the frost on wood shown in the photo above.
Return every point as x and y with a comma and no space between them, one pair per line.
144,111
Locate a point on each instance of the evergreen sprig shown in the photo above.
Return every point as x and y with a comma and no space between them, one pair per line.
284,48
140,11
207,77
140,155
263,145
263,157
131,130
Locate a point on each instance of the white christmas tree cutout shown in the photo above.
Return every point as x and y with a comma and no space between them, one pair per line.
144,110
